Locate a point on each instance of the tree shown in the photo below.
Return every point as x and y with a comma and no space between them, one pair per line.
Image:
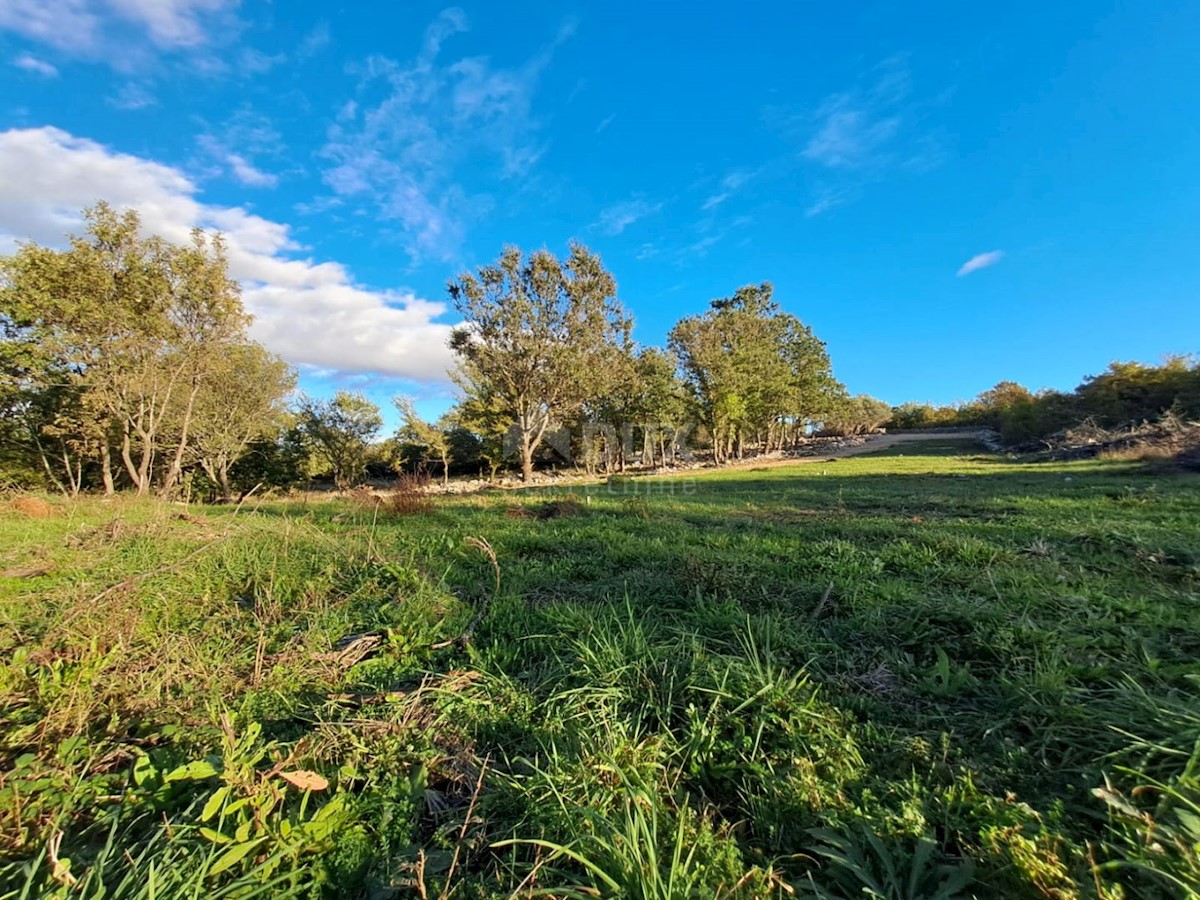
862,414
106,343
660,405
433,438
755,372
207,321
340,431
1131,392
242,402
535,337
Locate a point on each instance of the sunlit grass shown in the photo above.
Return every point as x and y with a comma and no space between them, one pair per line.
925,672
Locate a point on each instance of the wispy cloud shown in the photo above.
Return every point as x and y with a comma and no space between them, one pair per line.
826,197
315,41
849,138
441,124
980,261
858,128
605,122
35,65
131,97
248,174
616,218
863,134
730,184
232,147
100,29
312,313
254,62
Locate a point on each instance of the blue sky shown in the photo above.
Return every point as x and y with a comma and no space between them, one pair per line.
950,194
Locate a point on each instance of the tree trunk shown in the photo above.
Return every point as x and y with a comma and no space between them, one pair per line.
74,473
223,482
177,463
106,467
127,458
526,459
145,466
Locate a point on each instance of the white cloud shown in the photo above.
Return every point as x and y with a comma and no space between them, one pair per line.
100,28
65,24
730,184
224,160
35,65
171,23
315,41
826,198
605,122
849,137
616,218
312,313
254,62
858,129
247,174
231,148
859,136
439,123
132,97
980,261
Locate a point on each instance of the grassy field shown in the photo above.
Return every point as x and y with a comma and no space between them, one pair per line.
925,673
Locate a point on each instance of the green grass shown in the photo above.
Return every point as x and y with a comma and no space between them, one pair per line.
918,673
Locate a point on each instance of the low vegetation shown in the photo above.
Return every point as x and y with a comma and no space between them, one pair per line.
913,674
1126,395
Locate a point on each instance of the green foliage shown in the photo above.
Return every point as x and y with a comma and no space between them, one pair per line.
117,356
856,415
339,431
539,339
754,371
860,863
1125,394
433,439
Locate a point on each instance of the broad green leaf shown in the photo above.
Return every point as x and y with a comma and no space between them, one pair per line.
233,856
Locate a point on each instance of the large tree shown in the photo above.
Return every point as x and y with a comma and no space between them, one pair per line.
105,345
207,323
242,401
340,430
756,373
537,341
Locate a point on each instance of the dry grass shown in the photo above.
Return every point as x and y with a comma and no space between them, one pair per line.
33,507
410,495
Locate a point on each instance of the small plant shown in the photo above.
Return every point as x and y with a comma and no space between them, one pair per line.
947,678
861,863
410,494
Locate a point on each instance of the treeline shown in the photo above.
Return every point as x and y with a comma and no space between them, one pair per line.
126,365
1125,394
547,365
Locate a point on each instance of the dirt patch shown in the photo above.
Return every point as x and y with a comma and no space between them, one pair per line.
33,507
846,447
27,571
566,508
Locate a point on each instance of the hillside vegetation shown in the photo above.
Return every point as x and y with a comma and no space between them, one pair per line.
926,673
